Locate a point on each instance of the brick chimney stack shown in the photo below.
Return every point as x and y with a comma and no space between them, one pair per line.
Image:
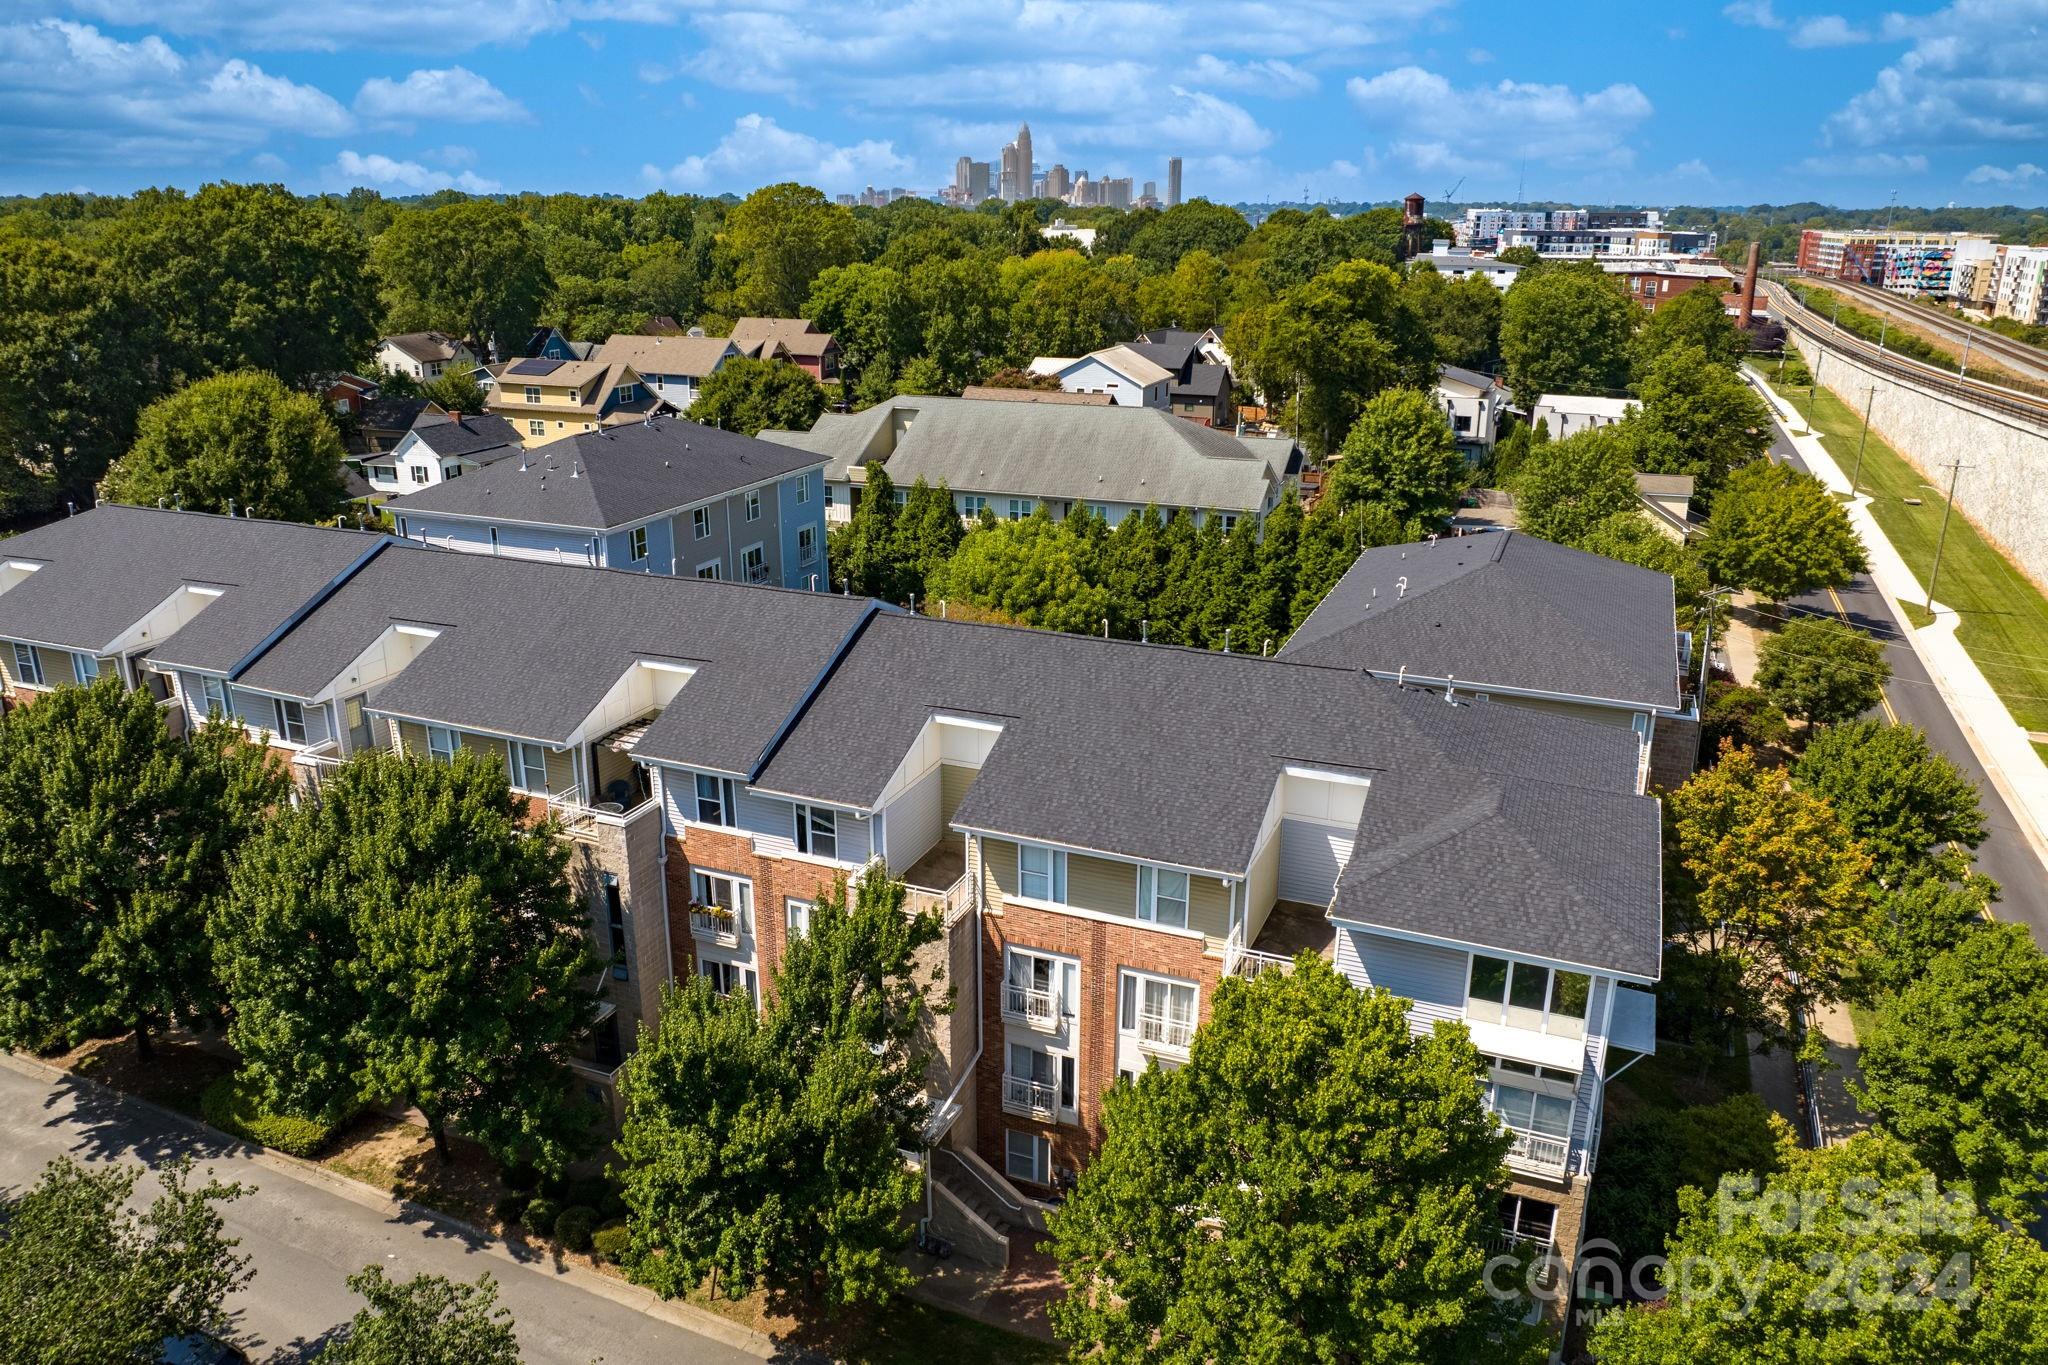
1748,289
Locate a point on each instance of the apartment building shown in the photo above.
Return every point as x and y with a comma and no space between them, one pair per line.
546,399
1013,457
1107,830
662,495
1906,262
2019,287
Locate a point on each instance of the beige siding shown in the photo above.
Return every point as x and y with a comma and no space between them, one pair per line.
1209,906
1099,884
1001,857
1107,887
1604,715
1262,888
56,665
412,737
561,770
954,780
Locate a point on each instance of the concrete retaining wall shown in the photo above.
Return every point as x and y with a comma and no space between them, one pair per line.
2003,487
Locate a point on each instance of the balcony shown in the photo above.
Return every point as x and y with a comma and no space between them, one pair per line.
1165,1032
715,924
1031,1098
1537,1152
311,766
757,573
1030,1006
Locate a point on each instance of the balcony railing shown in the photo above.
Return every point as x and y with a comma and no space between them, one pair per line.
1165,1032
757,573
1023,1095
311,766
715,925
1030,1006
955,901
1537,1149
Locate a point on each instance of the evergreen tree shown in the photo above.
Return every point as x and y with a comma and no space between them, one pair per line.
1330,541
865,552
114,845
1269,605
1173,607
1133,571
926,534
412,936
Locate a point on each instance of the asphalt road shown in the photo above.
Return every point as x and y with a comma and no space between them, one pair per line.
2005,856
305,1235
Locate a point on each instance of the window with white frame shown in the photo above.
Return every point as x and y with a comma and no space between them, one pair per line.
85,669
971,504
1021,508
529,768
1159,1011
807,544
636,544
213,696
1039,1081
628,393
1027,1157
28,666
1523,995
733,895
730,978
1229,520
803,489
1528,1220
536,427
1163,896
533,393
291,720
717,801
1039,988
1536,1103
1100,511
711,569
1042,873
754,564
754,505
796,916
817,831
419,472
700,524
441,743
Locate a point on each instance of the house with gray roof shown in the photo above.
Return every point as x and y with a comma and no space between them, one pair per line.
1013,457
441,445
1513,619
673,366
1200,388
425,356
662,495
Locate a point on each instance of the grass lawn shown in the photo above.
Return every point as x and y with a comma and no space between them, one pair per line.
1863,1019
1678,1077
2004,617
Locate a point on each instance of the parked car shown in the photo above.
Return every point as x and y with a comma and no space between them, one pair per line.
200,1348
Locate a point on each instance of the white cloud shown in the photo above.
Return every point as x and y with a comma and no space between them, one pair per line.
758,151
1867,163
1271,77
378,171
1478,56
270,165
1183,118
1752,14
1976,71
75,95
2021,174
453,94
1473,129
405,25
1695,169
1827,30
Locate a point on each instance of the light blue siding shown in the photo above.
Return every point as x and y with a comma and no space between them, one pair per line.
661,549
1423,973
795,573
513,542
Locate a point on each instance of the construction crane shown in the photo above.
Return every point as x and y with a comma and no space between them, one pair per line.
1454,189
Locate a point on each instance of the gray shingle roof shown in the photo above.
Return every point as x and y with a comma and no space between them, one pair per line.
1502,609
106,569
529,649
473,434
1079,454
603,479
428,346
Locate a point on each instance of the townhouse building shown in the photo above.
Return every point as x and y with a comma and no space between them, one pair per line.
1012,457
546,399
661,495
1472,404
796,340
1200,389
1129,378
1106,830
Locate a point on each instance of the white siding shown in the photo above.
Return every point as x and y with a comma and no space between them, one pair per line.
911,825
772,822
1311,856
1426,974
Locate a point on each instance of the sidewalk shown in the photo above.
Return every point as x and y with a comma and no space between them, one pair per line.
2006,752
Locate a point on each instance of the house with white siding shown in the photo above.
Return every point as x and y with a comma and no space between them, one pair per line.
674,367
441,445
1131,380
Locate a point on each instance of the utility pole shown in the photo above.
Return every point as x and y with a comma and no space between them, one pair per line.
1856,479
1813,386
1955,471
1965,371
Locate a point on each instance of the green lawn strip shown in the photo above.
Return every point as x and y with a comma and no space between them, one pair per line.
2004,617
1864,1020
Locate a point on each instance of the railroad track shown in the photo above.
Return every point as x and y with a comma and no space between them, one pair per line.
2030,361
1787,308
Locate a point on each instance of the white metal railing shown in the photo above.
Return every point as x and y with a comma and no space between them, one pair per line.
1171,1032
1537,1149
716,924
1239,960
1023,1095
311,765
949,905
1030,1005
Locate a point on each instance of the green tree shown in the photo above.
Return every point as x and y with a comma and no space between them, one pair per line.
114,843
751,396
1028,570
864,550
1778,533
1196,225
1698,418
1400,454
1694,318
1740,716
1848,1254
235,443
456,391
1822,670
1768,887
471,268
1309,1129
246,277
1463,316
777,241
966,317
1070,308
1566,489
1566,330
868,309
427,1320
1649,1154
1331,539
1957,1068
78,360
1898,796
1193,295
1269,605
1926,912
927,533
87,1280
412,936
764,1150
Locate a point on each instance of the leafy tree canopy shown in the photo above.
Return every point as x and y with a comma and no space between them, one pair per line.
240,443
1822,669
1566,331
751,396
776,242
1694,318
1779,533
427,1320
1899,797
1400,454
473,269
1566,489
1698,418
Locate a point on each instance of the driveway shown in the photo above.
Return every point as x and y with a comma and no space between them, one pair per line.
306,1231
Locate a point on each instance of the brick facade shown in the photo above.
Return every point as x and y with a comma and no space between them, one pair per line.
775,880
1103,949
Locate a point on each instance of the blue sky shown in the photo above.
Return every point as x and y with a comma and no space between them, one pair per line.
1760,100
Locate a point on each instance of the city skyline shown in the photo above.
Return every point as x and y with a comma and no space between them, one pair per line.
1342,101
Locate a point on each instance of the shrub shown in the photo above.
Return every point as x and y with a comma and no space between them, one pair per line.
590,1191
540,1216
523,1176
236,1106
511,1208
611,1242
573,1225
1743,715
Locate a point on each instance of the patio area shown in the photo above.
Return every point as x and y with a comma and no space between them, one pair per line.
941,866
1292,926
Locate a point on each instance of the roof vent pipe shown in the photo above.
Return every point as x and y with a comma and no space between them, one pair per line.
1400,588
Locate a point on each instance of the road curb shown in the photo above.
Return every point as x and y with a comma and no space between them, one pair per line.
686,1315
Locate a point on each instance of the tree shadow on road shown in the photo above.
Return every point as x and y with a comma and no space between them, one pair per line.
114,1126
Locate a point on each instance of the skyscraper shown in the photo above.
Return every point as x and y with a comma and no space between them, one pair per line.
963,172
1172,181
1025,167
1057,182
1007,187
977,181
